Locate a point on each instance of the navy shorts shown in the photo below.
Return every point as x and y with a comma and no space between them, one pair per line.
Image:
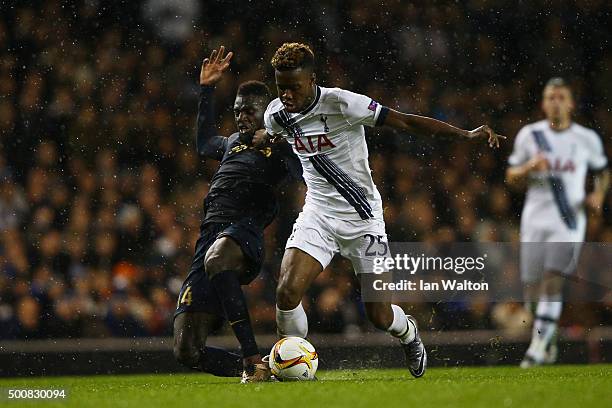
197,294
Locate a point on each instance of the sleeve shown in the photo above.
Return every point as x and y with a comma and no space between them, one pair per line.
208,143
520,152
597,160
271,123
293,166
359,109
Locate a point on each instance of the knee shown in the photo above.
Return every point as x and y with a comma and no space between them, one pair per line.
222,256
214,263
552,285
287,296
186,355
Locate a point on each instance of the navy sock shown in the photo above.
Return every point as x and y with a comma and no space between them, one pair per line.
220,362
234,304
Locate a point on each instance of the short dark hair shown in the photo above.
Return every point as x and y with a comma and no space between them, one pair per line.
557,81
292,56
254,88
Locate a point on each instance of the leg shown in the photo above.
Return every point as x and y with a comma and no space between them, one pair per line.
547,314
298,270
531,292
531,259
309,250
225,264
391,318
190,332
560,260
552,285
362,252
380,314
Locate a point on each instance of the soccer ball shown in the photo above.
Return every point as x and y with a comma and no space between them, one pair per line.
293,359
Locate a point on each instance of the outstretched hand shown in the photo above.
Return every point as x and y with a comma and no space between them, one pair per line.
486,131
214,66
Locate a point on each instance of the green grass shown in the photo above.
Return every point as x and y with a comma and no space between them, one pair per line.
557,386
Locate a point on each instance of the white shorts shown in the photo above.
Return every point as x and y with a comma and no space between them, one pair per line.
549,251
321,237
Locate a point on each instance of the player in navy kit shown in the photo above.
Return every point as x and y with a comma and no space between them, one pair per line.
240,204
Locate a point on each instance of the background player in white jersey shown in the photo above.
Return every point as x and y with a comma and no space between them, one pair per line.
343,209
552,158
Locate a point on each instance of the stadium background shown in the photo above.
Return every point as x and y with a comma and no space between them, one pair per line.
101,188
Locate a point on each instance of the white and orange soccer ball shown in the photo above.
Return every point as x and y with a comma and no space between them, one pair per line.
293,359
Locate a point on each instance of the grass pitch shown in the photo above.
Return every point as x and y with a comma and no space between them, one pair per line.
556,386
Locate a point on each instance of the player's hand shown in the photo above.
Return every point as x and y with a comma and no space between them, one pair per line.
538,163
594,203
486,131
261,138
213,67
276,138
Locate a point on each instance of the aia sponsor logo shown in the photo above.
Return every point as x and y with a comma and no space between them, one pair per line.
558,165
312,144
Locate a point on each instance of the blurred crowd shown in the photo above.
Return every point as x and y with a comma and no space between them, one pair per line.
101,188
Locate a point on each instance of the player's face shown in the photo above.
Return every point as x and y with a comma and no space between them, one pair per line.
295,88
557,103
248,113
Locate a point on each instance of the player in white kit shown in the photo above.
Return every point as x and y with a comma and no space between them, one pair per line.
343,209
551,157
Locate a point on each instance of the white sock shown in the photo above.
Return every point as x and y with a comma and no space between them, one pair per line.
545,323
292,322
401,327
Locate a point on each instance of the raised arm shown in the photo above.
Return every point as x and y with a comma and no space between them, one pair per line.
425,126
208,143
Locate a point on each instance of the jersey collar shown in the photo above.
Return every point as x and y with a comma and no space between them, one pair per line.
314,103
558,132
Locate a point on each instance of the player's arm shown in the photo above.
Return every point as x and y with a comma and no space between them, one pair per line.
524,160
425,126
291,163
516,176
598,164
208,143
601,183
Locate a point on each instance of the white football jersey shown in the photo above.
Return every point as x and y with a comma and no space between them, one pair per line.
555,198
329,139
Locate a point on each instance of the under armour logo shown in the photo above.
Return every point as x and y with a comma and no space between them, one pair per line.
324,120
